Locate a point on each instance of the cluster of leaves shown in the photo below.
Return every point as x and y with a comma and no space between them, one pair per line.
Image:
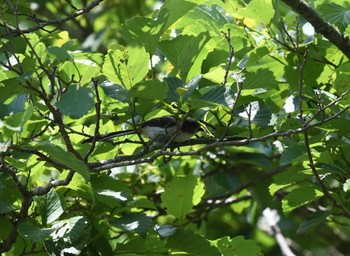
254,70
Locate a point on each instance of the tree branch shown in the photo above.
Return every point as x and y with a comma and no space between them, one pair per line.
42,24
27,198
321,26
210,143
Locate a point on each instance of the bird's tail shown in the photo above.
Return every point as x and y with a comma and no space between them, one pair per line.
108,136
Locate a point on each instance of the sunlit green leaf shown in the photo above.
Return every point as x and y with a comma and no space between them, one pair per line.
260,10
287,178
237,246
191,243
152,89
70,236
146,32
84,190
186,53
50,206
16,121
299,197
61,156
128,67
181,194
59,53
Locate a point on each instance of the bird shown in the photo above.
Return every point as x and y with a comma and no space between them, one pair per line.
159,129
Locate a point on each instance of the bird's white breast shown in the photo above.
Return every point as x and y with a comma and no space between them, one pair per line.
161,134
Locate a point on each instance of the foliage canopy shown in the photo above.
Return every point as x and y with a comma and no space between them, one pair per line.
270,165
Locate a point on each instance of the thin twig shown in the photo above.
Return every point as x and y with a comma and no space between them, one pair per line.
324,107
302,61
249,113
209,144
231,55
321,26
98,119
238,82
57,22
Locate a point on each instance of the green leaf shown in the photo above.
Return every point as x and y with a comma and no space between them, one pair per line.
216,75
76,102
260,10
191,243
299,197
311,222
181,194
263,116
135,244
49,206
16,121
291,153
165,231
144,203
116,91
142,31
176,87
9,194
109,191
101,241
87,65
216,94
171,11
237,246
138,223
287,178
205,17
66,158
186,53
83,189
59,52
146,32
34,234
191,86
262,79
254,59
122,196
128,67
9,88
336,14
343,79
6,226
83,68
19,42
174,83
70,236
152,89
18,103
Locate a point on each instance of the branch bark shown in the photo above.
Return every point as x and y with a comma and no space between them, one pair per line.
137,158
321,26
